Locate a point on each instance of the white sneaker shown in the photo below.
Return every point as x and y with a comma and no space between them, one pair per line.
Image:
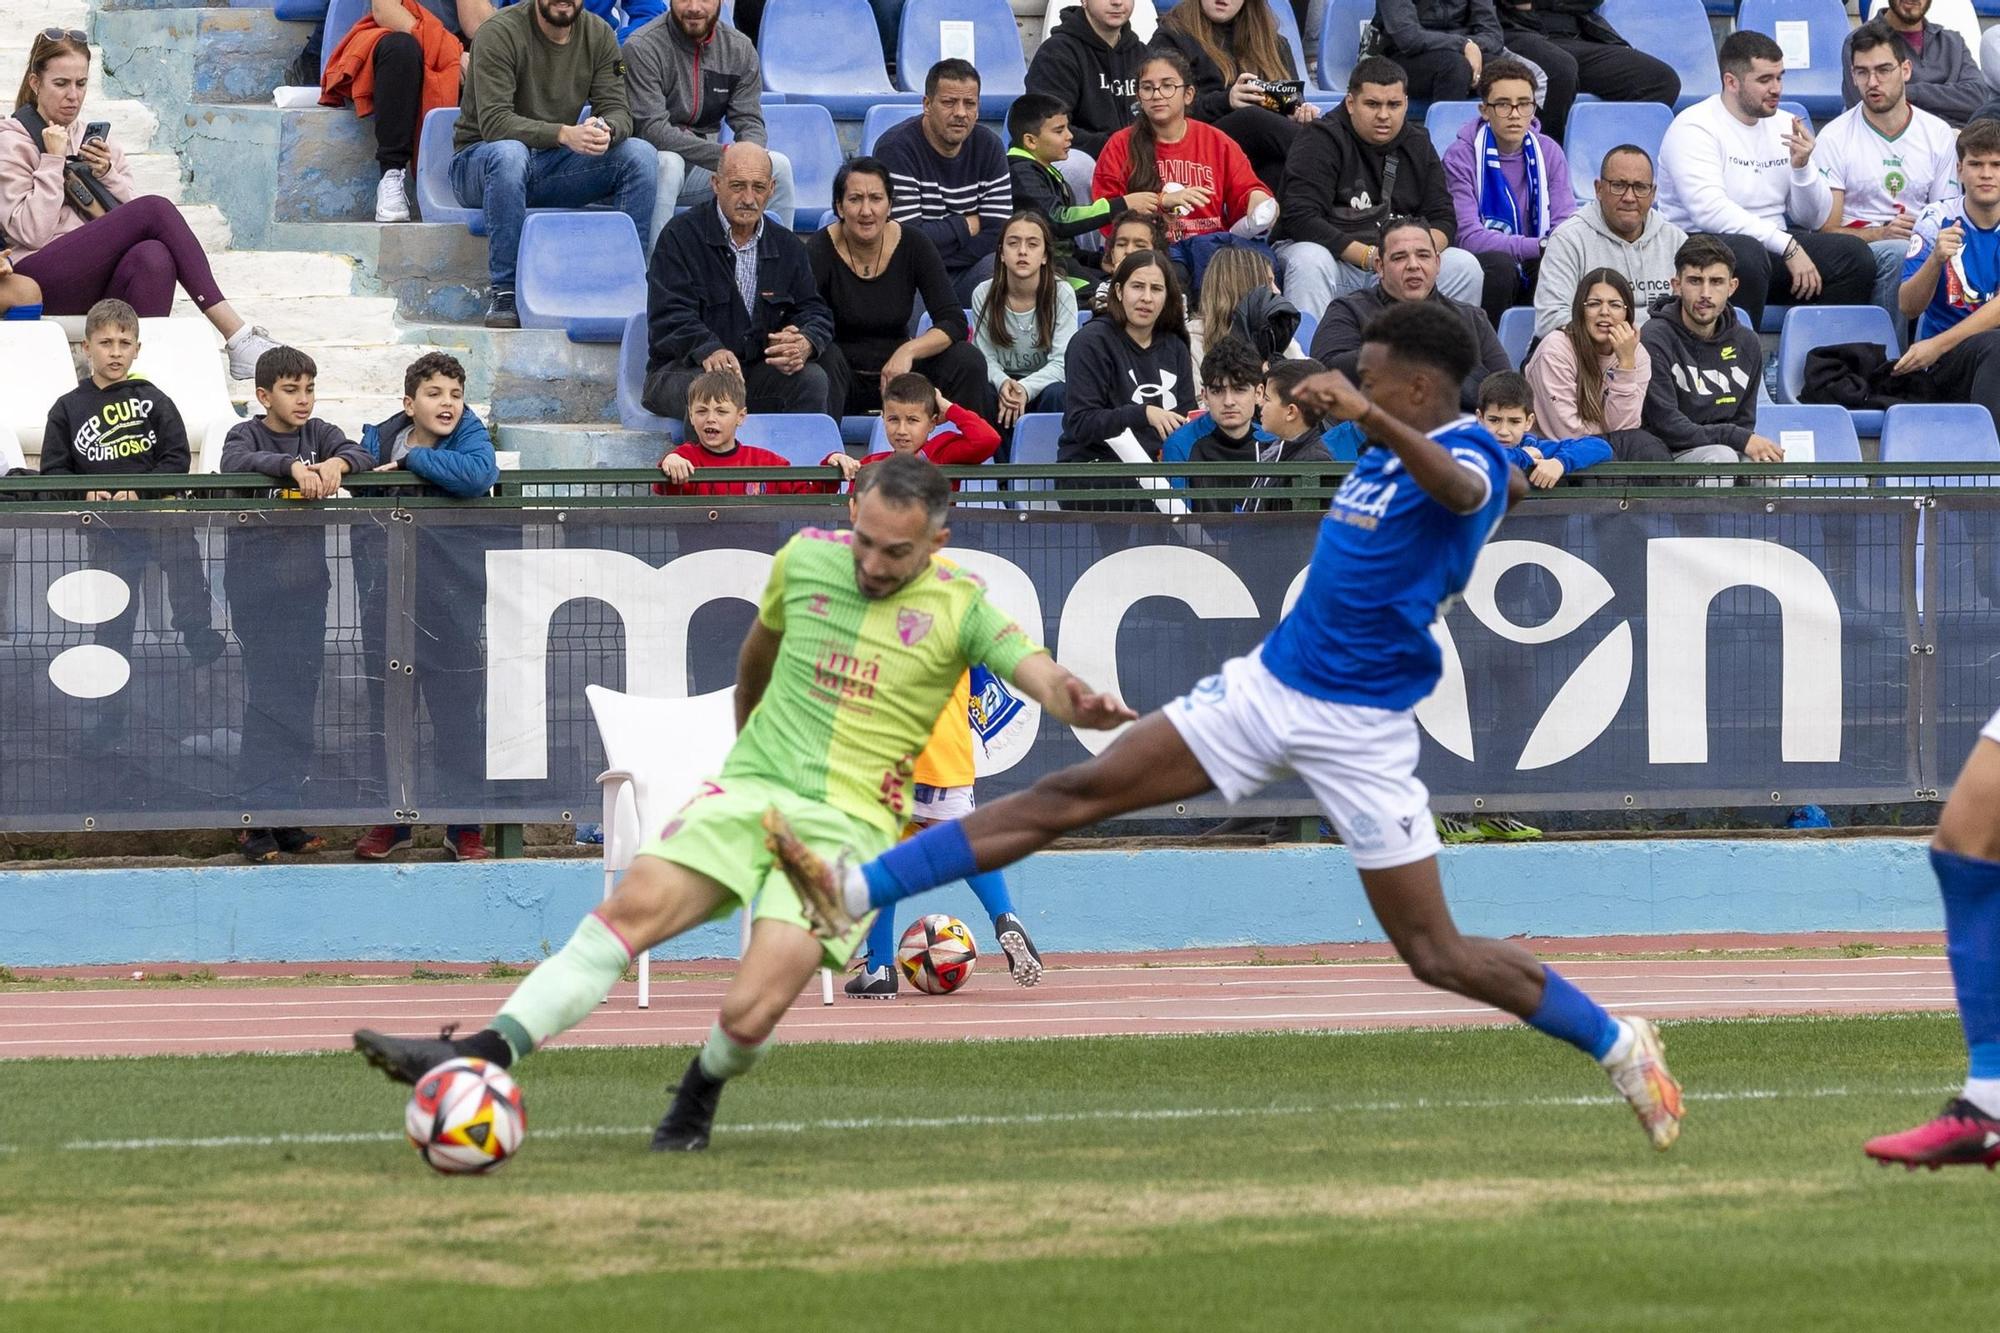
1641,1076
392,197
251,341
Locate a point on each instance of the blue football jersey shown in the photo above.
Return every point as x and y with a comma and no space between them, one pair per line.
1968,282
1387,560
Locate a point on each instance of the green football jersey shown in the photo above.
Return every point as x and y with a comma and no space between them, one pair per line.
859,682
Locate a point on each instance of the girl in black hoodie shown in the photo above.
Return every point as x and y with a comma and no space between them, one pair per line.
1091,62
1233,46
1129,370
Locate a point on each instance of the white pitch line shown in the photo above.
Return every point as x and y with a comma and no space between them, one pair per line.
874,1123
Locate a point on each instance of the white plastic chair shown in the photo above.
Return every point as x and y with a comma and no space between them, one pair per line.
659,752
184,357
35,370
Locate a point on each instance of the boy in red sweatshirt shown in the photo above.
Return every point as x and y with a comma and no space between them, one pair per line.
717,405
911,410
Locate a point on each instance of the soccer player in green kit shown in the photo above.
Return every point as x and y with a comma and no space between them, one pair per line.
859,641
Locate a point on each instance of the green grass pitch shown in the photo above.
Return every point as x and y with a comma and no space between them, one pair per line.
1477,1179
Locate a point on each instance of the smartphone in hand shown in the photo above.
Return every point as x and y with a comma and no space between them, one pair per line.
97,131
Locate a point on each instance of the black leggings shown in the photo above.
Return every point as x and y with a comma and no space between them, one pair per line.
1265,138
399,90
1446,76
1846,271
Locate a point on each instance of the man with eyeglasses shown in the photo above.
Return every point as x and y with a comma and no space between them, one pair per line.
1621,230
1509,186
1885,160
1735,166
1944,77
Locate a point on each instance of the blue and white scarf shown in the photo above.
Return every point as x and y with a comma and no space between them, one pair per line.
1498,209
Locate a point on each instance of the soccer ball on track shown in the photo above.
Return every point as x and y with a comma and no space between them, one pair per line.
936,954
466,1116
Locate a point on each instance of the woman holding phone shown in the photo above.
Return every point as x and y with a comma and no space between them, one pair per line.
68,210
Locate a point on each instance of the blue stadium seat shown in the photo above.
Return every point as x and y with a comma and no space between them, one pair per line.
340,16
435,200
1517,330
879,120
1831,428
1809,326
1939,433
1677,32
996,48
1445,119
300,11
1340,29
1595,128
1817,87
825,51
1288,32
805,134
632,414
584,273
1308,326
1035,438
805,439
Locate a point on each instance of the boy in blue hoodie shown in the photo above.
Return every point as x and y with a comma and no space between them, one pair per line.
440,439
1506,409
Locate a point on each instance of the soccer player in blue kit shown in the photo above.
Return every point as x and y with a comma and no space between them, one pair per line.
1328,696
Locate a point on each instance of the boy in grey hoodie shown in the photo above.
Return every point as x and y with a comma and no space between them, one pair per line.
1621,230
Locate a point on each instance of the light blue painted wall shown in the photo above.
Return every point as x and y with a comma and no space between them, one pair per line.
1110,900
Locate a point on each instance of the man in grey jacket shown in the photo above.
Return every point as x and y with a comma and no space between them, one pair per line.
685,72
1621,230
1944,78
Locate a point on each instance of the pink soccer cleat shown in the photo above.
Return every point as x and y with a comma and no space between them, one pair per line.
1963,1135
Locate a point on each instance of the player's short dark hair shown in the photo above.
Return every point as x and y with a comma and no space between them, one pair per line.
1876,34
427,365
907,479
284,363
1506,388
1702,250
1029,113
1283,379
1604,163
953,71
1741,47
1231,364
1378,70
113,313
1504,68
1425,333
724,386
1981,138
912,388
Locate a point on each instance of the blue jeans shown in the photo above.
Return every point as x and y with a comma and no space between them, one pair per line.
508,178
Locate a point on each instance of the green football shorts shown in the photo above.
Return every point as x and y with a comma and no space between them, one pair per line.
720,834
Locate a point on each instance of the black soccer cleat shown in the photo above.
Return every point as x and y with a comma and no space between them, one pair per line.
687,1123
406,1059
1024,961
872,983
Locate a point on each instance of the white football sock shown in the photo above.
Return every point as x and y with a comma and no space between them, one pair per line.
1621,1048
854,893
1983,1093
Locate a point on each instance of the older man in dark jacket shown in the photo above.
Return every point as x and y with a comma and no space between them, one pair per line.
726,290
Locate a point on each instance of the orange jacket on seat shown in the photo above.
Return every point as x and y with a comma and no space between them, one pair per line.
350,72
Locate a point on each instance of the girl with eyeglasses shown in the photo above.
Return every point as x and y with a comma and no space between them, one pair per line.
70,214
1590,377
1205,182
1233,47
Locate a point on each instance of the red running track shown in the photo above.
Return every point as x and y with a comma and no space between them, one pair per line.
1099,998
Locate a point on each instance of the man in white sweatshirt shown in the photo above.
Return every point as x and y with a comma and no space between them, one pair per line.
1733,166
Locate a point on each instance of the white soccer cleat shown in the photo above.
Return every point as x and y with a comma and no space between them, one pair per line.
392,197
1641,1077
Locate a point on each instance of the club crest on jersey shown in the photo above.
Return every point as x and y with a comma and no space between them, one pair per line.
912,626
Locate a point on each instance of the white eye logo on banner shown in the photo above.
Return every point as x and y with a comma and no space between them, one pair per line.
89,597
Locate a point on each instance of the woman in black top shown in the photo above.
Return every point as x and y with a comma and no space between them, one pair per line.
1129,370
1232,46
871,270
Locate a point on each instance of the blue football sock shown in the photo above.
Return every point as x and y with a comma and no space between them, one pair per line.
1971,889
882,939
938,855
991,886
1567,1014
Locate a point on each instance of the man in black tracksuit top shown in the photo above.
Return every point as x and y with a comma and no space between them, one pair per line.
1091,63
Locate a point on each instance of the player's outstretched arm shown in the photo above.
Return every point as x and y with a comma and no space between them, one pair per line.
1453,485
753,668
1068,698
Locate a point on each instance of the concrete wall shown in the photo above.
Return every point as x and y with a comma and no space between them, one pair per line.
1109,900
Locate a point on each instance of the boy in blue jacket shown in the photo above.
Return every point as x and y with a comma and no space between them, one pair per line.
440,439
1506,408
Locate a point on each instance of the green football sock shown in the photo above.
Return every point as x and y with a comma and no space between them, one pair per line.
563,990
724,1057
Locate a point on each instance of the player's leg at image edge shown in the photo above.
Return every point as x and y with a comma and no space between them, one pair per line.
1965,854
1152,764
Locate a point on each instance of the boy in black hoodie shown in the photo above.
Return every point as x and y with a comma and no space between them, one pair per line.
1298,433
115,423
1039,136
1090,63
1702,399
1232,382
276,581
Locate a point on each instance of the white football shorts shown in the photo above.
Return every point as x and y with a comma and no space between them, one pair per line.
1247,729
935,805
1991,731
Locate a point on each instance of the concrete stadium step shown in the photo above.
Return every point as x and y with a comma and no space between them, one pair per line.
373,372
155,173
20,22
133,123
578,444
316,321
250,276
208,225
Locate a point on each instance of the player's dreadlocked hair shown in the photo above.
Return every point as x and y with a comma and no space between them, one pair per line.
1427,334
906,479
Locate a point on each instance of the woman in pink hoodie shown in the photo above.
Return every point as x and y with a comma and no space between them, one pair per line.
1590,377
77,250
